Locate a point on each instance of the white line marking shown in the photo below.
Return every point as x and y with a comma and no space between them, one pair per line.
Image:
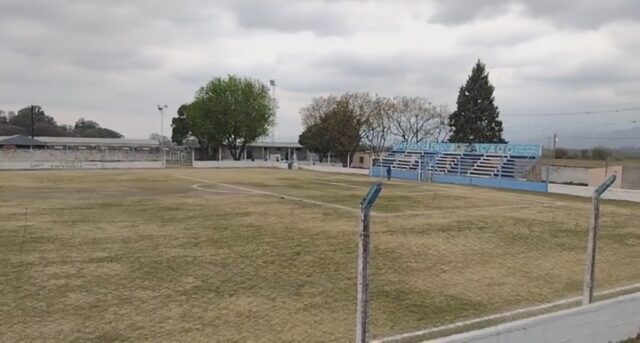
500,315
340,184
200,188
283,196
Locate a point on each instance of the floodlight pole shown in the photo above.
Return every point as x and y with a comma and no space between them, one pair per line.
590,268
32,122
362,312
161,108
273,83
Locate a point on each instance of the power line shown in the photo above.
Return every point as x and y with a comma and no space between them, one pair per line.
578,113
573,125
601,137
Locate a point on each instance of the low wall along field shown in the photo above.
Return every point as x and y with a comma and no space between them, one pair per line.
614,320
79,159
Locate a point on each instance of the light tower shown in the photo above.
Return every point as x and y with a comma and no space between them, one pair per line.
161,109
273,85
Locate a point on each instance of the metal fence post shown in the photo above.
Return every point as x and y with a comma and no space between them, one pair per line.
590,268
362,314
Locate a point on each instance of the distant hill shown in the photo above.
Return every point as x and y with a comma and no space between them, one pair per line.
612,139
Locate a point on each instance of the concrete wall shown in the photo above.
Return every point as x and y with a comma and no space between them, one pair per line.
631,178
335,169
583,191
238,164
272,164
598,175
492,182
53,155
80,165
261,153
611,320
557,174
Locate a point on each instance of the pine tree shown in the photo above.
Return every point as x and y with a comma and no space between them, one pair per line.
475,119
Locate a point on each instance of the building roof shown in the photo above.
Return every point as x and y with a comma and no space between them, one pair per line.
20,140
276,144
90,141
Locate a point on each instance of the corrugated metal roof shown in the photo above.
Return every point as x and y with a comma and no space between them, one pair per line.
98,141
20,140
90,141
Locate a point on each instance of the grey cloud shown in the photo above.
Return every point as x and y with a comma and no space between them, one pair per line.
422,70
319,17
118,58
570,13
586,75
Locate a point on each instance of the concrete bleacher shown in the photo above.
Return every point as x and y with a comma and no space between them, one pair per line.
458,163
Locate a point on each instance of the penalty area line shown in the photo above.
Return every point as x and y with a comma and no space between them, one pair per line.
567,301
200,188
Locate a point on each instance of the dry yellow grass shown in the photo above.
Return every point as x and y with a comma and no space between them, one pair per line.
144,256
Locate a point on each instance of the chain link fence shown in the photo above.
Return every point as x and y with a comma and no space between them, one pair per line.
482,257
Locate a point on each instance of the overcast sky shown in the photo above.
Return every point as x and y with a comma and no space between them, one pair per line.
114,61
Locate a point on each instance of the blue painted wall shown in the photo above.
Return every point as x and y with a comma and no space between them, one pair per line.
492,182
395,173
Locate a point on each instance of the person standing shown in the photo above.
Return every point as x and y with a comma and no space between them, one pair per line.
388,173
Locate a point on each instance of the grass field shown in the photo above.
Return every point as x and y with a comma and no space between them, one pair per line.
189,255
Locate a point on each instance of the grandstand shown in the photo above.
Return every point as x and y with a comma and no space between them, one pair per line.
462,160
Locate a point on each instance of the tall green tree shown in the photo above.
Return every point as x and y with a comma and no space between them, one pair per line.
476,118
337,131
233,111
23,118
180,126
316,140
90,128
342,126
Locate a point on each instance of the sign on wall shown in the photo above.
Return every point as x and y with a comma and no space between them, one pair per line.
532,150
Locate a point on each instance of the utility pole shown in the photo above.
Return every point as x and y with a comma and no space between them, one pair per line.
32,122
553,157
161,108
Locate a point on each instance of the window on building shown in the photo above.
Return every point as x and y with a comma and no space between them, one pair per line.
361,159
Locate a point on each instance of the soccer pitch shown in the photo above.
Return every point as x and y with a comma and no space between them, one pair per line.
270,255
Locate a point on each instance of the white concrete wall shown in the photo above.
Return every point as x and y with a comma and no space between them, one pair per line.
273,164
336,169
583,191
80,165
238,164
611,320
566,174
54,155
